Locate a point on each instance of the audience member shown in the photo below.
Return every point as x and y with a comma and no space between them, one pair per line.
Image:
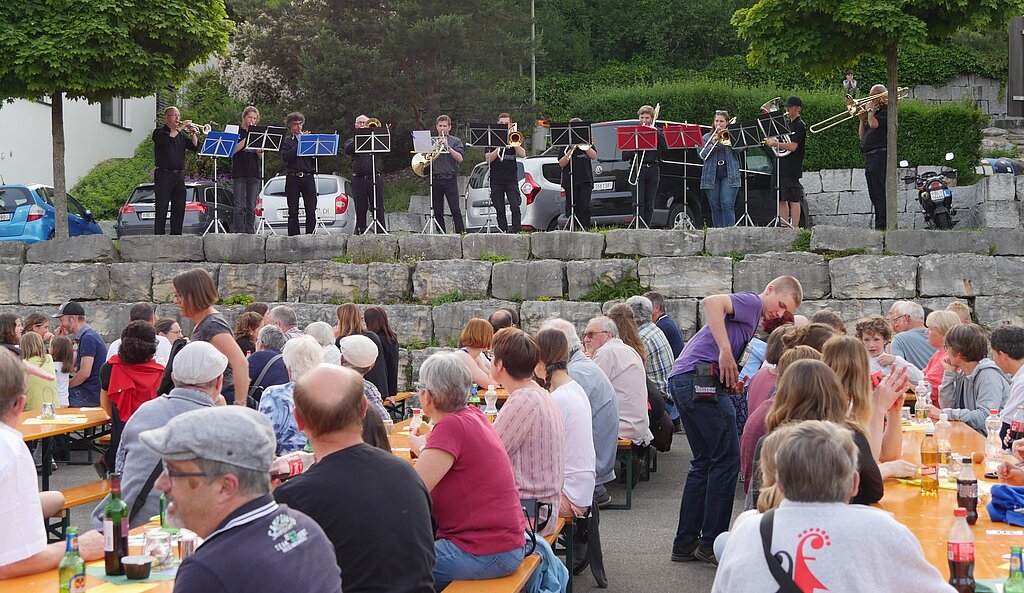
376,319
830,318
530,426
10,332
360,354
474,340
968,392
267,362
63,353
464,460
656,346
23,547
710,420
372,505
301,355
1008,354
910,341
322,332
38,323
762,384
938,325
873,331
169,328
198,377
145,312
195,293
813,334
40,391
259,308
250,543
84,385
665,323
246,327
504,317
962,310
350,323
284,318
625,370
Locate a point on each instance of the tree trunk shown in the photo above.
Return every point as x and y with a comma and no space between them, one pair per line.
891,161
60,190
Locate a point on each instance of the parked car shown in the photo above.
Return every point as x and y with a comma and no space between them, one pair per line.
27,214
137,215
334,211
479,209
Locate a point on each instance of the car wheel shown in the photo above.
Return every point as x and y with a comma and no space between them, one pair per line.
678,214
553,225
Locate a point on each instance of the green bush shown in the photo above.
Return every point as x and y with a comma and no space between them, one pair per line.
108,184
926,132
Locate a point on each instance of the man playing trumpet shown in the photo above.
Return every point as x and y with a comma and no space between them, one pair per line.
445,171
368,190
170,141
505,179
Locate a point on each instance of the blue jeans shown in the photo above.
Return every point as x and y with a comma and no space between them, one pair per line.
79,398
706,506
246,191
454,564
722,199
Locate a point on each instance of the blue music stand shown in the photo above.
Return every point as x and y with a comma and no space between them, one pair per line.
218,144
318,145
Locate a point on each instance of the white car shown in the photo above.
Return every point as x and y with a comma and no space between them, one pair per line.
335,211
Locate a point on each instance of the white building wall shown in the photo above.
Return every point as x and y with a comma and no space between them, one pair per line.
26,154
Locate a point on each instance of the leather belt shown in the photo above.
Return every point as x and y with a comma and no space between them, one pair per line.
298,174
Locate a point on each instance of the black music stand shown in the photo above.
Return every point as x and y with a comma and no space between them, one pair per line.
489,135
218,144
570,134
774,124
373,141
745,135
640,139
268,139
423,142
683,137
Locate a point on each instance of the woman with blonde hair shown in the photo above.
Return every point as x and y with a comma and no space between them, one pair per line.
475,338
350,323
39,390
937,326
622,315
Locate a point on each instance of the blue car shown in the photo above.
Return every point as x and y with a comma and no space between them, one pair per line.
27,214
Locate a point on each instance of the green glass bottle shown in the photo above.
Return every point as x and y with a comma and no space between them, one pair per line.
1015,583
115,528
71,569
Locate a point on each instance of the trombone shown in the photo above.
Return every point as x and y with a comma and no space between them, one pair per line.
717,137
638,159
854,107
513,140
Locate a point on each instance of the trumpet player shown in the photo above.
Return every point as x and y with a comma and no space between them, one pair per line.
367,188
720,178
873,142
444,171
791,166
299,176
578,180
246,176
505,179
645,192
170,141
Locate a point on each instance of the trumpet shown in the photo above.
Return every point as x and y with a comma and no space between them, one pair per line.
193,128
717,137
572,147
771,107
515,137
373,122
854,107
421,160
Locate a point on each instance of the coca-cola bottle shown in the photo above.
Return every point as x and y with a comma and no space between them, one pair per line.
292,464
960,553
967,491
1016,430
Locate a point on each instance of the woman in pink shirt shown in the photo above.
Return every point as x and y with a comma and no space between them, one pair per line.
937,326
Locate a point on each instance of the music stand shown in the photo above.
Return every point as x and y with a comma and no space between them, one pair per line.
683,136
373,141
268,139
422,142
639,139
489,135
317,145
217,144
774,124
570,134
745,135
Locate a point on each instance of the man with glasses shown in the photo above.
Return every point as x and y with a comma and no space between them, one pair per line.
198,376
625,370
910,340
216,476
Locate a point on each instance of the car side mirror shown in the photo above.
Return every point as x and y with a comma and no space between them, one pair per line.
904,164
88,215
949,156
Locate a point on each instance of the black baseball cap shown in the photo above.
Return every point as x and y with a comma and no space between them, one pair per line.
794,101
69,308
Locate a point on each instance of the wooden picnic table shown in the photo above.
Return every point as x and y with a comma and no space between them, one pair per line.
33,428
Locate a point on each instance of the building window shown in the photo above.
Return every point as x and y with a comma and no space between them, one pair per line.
112,112
45,100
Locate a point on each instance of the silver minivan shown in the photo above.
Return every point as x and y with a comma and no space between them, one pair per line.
540,192
335,212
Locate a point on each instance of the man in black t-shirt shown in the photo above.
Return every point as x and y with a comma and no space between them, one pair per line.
578,180
367,183
791,166
873,141
505,179
170,141
299,176
372,505
245,173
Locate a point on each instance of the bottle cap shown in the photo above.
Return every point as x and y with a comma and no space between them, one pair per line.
490,388
960,512
929,431
993,412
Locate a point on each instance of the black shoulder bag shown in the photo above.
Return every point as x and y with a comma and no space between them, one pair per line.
783,578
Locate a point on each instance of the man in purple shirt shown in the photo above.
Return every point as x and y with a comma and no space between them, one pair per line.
708,413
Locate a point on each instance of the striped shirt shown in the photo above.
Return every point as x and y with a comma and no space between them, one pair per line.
659,355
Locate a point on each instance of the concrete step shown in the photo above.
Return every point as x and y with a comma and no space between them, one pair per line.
419,204
411,222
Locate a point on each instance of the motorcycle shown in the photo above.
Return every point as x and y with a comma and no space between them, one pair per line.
934,195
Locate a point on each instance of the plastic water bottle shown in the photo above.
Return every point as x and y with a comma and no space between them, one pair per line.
960,553
943,434
967,491
924,399
993,446
929,464
491,400
416,421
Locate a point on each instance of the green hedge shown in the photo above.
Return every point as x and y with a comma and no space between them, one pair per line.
108,184
926,132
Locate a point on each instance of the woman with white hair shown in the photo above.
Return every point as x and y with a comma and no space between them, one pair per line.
301,355
323,333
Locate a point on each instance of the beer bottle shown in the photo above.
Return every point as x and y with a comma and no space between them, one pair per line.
960,553
71,569
929,464
967,491
1015,583
115,528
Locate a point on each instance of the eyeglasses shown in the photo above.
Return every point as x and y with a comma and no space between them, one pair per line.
175,474
588,335
419,386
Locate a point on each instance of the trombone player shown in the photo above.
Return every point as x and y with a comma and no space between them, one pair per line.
170,141
505,176
873,141
648,176
364,182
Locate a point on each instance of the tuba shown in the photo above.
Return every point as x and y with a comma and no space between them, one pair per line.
373,122
771,107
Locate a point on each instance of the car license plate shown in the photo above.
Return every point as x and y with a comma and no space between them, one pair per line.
283,213
147,215
5,216
604,185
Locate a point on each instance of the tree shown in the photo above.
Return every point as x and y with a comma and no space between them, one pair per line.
98,50
821,37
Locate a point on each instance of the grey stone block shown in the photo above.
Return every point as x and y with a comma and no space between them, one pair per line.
838,238
416,358
854,202
835,179
412,323
164,273
367,248
677,277
162,248
999,215
307,313
871,276
10,279
822,204
584,275
435,278
757,270
1003,242
684,313
519,280
811,180
566,245
1019,184
388,282
235,248
86,248
959,275
857,180
108,318
45,284
749,240
405,222
419,205
653,242
993,310
998,188
923,242
263,282
430,247
450,318
327,282
131,282
477,245
535,313
302,248
849,310
12,252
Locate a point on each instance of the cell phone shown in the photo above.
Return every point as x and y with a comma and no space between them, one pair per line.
991,476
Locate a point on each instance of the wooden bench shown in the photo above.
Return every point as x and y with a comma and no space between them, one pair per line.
73,497
625,453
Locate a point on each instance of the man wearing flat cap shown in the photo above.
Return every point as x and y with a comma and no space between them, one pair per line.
198,375
216,475
359,353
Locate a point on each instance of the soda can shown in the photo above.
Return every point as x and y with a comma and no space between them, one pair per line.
186,545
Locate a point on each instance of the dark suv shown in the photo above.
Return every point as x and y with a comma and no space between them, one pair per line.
138,213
